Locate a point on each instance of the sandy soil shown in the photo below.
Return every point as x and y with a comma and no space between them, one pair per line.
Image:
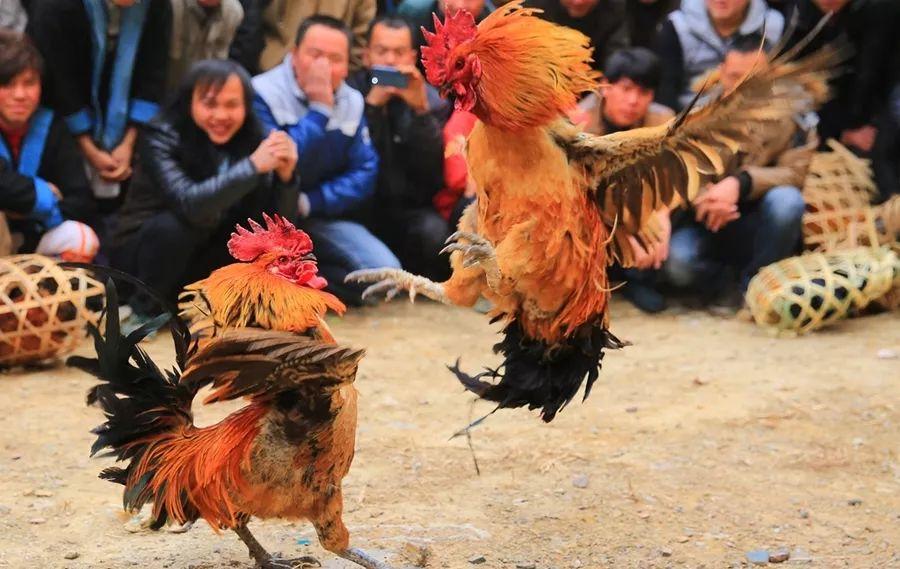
703,441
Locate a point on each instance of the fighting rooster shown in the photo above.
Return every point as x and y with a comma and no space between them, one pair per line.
275,285
555,205
281,455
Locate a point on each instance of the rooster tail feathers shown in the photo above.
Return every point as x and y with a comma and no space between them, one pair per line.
540,376
141,402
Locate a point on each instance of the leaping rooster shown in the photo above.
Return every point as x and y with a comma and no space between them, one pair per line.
555,205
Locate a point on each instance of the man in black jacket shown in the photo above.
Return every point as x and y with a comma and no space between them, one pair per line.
405,125
861,90
42,180
106,74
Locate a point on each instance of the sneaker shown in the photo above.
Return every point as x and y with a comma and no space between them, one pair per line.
645,297
135,321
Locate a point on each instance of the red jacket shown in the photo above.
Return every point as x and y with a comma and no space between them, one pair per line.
456,172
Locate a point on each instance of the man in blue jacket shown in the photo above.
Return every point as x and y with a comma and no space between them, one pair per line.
306,96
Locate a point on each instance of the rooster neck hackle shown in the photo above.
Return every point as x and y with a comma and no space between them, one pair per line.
533,71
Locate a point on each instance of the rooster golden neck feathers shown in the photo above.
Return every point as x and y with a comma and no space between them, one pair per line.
513,70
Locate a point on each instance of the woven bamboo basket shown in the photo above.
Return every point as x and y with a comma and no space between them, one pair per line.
805,293
838,190
43,309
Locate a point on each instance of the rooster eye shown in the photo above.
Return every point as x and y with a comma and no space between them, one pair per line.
283,259
460,63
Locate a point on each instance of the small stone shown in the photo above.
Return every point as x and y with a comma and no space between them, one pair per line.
665,552
71,555
683,539
804,514
418,555
758,557
477,560
37,521
644,515
780,555
525,565
631,409
580,481
800,555
43,493
854,502
887,354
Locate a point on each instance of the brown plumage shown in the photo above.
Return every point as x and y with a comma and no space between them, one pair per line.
555,205
284,454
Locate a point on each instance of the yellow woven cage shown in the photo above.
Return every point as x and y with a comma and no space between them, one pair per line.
815,290
43,309
838,190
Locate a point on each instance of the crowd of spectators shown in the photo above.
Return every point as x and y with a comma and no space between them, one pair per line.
138,132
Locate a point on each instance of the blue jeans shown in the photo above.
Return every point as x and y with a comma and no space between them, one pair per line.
343,247
768,230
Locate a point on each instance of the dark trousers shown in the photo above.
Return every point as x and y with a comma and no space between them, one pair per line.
167,253
767,231
417,236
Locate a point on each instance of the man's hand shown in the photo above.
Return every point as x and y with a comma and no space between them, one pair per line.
657,252
55,190
318,82
718,205
123,154
379,96
862,138
285,151
106,165
415,94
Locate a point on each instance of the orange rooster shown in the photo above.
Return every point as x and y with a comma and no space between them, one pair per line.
275,285
282,455
550,198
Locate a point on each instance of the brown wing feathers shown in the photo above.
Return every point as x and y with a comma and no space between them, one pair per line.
261,363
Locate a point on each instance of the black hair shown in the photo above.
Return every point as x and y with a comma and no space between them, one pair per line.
746,44
636,63
196,151
320,20
17,54
391,21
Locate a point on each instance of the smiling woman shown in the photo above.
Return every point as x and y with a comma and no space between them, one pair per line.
204,166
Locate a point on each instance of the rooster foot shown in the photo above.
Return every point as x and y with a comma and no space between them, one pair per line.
362,559
478,251
297,563
393,281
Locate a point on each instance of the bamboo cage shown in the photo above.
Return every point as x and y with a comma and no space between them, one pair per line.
43,309
838,191
805,293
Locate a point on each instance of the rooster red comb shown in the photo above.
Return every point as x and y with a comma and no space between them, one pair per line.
279,234
457,28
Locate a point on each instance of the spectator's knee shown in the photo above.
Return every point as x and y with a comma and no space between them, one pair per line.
680,268
783,206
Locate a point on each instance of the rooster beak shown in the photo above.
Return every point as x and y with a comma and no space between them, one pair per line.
308,257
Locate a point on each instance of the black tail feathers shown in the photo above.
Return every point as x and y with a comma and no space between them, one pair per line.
538,375
137,397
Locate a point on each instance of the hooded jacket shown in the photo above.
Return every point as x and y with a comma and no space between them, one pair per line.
689,46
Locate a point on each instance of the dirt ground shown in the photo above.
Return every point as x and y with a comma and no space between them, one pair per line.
704,440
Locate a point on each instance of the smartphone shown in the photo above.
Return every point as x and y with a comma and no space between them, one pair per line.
384,76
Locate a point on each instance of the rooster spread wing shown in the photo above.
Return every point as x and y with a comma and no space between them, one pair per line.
250,362
635,172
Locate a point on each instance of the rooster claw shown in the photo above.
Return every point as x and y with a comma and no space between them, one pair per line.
478,250
304,562
391,282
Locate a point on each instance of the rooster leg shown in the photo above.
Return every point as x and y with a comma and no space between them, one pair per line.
393,281
478,252
266,561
